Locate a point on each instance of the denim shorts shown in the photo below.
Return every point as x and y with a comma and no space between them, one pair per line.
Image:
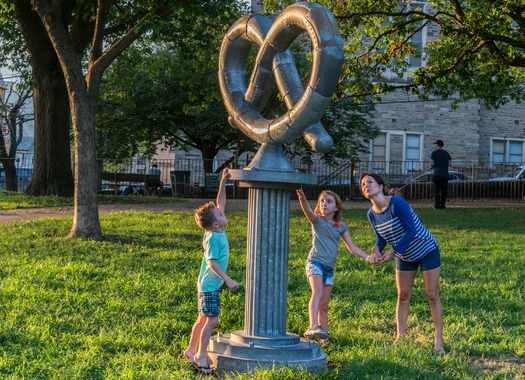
315,267
432,260
210,303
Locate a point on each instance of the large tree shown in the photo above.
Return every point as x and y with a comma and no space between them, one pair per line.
102,24
166,89
148,96
478,50
28,50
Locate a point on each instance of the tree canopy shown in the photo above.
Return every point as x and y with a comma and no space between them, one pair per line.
475,47
165,89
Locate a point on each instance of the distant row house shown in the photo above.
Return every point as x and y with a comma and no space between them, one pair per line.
8,97
472,133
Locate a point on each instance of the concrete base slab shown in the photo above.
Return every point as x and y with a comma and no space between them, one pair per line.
237,352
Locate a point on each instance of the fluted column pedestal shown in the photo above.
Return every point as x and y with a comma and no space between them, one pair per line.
264,341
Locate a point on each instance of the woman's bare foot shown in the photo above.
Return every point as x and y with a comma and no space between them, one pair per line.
399,339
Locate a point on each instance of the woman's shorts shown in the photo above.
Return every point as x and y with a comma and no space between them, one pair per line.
432,260
315,267
210,303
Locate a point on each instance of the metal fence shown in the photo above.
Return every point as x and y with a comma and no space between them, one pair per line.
24,170
473,181
188,177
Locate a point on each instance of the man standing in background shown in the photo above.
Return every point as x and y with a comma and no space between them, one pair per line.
440,161
154,188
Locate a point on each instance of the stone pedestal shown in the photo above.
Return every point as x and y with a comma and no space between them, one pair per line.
238,352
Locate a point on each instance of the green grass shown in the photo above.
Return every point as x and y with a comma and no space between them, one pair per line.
13,200
123,308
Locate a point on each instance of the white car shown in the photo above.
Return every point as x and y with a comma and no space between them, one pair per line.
513,175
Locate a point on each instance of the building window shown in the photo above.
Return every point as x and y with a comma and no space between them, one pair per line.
419,38
417,41
507,150
379,153
412,152
395,152
516,151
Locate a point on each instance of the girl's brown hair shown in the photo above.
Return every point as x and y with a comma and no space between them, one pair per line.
338,203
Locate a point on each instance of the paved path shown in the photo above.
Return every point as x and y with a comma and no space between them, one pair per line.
8,216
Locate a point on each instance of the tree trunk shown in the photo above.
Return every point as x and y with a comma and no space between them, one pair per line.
52,158
208,152
11,182
86,219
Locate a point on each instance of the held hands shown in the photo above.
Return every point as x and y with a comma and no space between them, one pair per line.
386,257
373,258
376,257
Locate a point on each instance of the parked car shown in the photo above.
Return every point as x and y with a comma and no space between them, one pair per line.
453,176
513,175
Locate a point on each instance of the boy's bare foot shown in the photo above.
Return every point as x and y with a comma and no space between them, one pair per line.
189,355
199,363
438,351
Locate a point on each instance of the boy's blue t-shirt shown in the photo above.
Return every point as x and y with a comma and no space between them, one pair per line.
216,247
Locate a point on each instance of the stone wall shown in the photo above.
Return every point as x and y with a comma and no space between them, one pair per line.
466,129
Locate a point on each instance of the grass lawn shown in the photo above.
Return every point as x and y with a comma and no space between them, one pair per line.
123,308
13,200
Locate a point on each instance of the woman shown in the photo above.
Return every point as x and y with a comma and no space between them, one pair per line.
395,223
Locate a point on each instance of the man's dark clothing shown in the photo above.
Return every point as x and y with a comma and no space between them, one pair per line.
441,159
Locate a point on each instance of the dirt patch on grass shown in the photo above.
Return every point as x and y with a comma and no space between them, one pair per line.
501,366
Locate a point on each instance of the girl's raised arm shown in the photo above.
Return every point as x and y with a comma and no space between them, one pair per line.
308,212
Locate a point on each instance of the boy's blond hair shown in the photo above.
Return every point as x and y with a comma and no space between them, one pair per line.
205,215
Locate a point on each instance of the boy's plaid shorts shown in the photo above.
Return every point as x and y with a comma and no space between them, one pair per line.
210,303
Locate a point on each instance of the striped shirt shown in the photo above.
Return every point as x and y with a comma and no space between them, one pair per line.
400,227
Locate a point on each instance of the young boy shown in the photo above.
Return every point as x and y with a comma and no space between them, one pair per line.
210,217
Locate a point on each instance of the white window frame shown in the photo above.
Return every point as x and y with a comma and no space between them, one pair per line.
404,134
506,141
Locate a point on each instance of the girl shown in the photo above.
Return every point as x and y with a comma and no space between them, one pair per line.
327,228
